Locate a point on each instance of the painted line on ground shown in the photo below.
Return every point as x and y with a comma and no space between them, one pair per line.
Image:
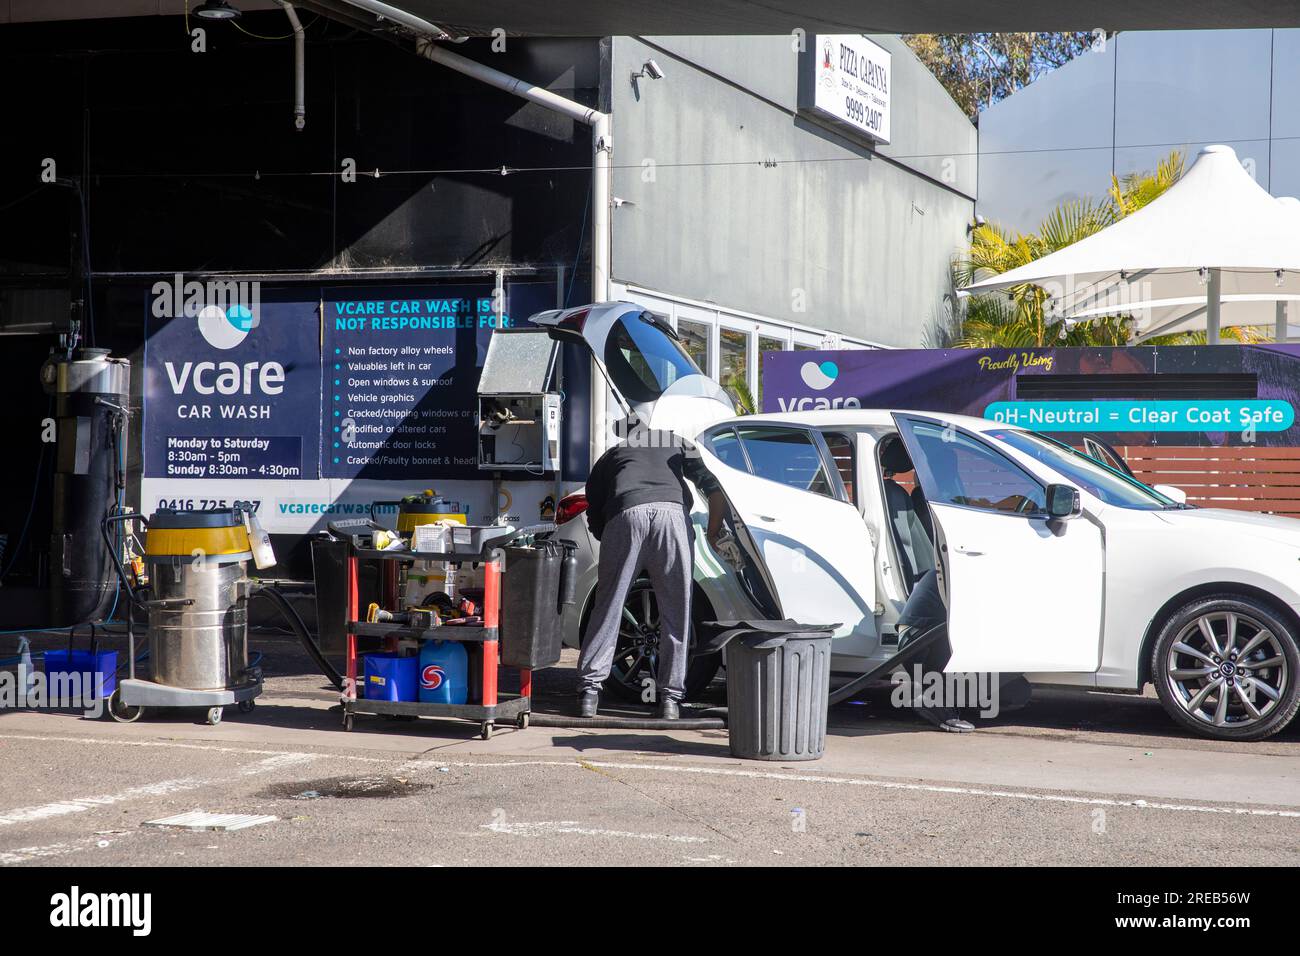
161,788
179,745
1139,804
26,854
544,827
405,763
1136,803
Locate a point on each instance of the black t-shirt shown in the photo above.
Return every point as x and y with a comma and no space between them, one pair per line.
629,475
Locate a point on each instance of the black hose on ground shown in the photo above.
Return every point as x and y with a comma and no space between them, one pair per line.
296,625
908,654
626,723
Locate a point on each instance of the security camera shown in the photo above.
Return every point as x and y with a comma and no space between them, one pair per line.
651,69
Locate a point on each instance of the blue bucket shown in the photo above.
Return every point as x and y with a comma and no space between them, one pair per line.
95,675
391,677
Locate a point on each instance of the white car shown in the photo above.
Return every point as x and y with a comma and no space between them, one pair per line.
1050,564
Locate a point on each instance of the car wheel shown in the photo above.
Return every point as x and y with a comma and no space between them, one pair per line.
636,655
1227,667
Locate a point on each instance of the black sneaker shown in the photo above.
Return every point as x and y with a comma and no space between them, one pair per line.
668,709
588,703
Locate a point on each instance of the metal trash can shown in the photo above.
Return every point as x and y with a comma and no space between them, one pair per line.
777,690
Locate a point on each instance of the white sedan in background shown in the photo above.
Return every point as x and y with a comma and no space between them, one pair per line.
1050,564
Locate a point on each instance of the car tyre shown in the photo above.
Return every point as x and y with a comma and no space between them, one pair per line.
640,612
1228,667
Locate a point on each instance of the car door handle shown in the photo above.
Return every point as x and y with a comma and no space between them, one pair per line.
765,518
970,553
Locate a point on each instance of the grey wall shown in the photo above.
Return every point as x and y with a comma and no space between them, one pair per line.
867,236
1127,107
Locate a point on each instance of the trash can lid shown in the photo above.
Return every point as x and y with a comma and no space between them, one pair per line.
758,634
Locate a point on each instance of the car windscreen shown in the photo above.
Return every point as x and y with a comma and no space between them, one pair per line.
1102,482
644,360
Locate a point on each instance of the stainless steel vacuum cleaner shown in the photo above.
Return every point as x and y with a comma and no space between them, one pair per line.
196,591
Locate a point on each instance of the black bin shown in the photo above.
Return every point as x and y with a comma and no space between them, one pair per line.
329,559
531,612
778,686
778,689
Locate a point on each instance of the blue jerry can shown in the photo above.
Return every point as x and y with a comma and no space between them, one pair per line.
444,673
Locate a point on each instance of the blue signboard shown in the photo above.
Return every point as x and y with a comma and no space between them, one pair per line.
400,376
232,390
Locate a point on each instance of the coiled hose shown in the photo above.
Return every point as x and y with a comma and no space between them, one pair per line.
296,625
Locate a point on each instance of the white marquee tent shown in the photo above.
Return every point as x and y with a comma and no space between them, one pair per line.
1215,249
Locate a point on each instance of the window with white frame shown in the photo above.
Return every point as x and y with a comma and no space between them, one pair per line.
729,346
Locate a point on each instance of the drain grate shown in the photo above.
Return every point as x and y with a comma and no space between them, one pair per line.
200,820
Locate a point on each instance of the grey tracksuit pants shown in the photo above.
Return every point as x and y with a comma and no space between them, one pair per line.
658,539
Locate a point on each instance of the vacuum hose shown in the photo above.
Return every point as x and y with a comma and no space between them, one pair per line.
906,655
296,625
626,723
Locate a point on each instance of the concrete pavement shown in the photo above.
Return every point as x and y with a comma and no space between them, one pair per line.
1075,778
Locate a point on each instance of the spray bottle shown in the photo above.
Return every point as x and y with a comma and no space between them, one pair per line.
26,676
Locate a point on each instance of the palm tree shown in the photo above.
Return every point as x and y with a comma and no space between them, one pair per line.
1017,317
741,396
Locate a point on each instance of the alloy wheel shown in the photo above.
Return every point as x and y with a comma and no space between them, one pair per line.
636,655
1227,669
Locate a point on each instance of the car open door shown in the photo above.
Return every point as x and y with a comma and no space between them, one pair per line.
1024,592
813,547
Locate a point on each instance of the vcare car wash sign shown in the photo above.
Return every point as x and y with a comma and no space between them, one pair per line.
401,375
847,79
232,384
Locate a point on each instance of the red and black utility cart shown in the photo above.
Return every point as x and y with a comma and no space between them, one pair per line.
530,599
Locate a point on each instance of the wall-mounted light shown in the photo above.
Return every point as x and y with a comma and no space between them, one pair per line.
216,10
651,69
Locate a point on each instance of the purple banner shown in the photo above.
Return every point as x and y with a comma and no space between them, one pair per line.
1236,379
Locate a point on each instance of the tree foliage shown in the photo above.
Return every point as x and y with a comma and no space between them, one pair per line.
979,69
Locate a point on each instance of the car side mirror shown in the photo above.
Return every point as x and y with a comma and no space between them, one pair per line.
1063,502
1173,494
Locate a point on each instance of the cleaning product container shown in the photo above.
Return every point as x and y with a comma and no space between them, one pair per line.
80,675
391,677
443,673
414,512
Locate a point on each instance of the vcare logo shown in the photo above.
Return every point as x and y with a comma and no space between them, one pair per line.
819,376
226,310
225,328
76,909
432,677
